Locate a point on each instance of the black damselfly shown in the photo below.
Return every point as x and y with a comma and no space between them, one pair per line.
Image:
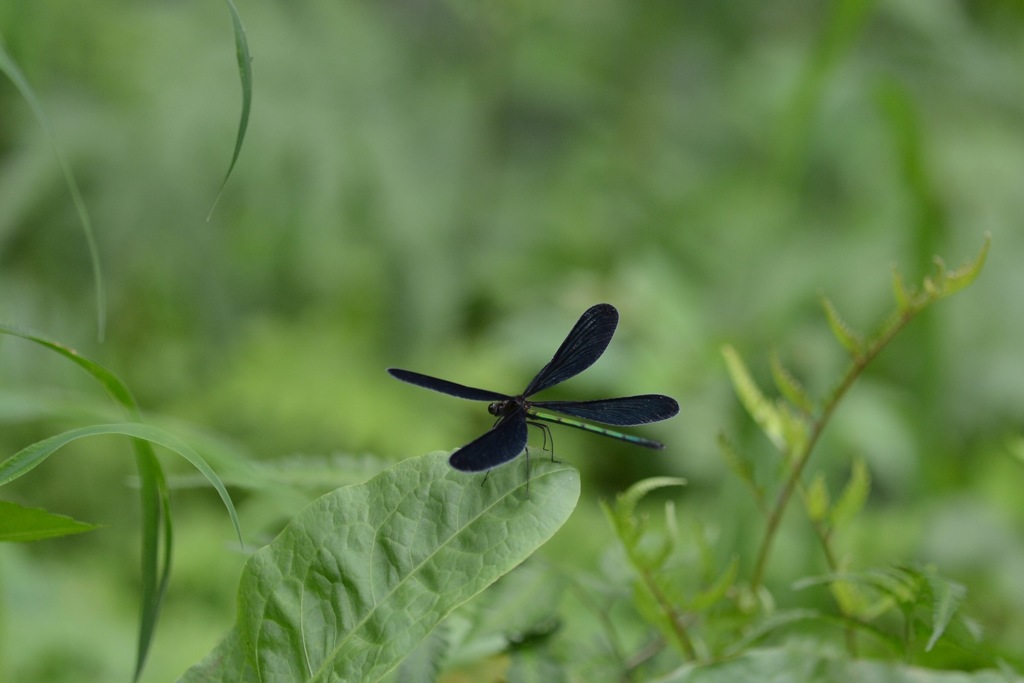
585,343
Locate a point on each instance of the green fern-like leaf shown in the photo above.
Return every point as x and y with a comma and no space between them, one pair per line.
765,413
817,498
851,341
852,499
741,466
627,501
789,386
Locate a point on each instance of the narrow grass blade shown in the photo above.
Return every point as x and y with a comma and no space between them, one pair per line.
8,67
245,76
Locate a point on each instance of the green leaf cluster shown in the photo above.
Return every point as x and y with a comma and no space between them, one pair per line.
793,422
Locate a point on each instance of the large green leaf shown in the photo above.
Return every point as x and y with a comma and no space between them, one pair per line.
363,574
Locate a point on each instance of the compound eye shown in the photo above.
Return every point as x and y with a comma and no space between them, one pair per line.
494,409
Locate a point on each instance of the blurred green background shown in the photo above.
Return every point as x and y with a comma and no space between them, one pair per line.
445,186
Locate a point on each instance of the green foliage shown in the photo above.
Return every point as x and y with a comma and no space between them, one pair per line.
19,523
33,455
444,181
806,663
359,578
245,77
926,602
156,518
10,69
794,424
654,558
733,612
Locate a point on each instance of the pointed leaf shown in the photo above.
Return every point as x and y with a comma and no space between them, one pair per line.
790,387
626,501
851,501
953,282
21,524
817,499
363,574
904,298
764,412
740,466
947,596
710,596
850,340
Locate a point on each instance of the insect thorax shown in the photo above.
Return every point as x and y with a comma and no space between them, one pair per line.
499,408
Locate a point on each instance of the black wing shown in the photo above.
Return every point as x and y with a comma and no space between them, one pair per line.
585,343
626,411
499,445
446,387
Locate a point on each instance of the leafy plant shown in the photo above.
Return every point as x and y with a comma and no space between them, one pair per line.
25,524
730,614
29,524
361,576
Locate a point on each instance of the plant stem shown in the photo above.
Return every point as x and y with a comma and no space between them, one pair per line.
824,534
860,362
675,619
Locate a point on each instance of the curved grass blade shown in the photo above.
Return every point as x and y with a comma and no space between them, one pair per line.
245,76
29,457
8,67
108,380
364,573
154,493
